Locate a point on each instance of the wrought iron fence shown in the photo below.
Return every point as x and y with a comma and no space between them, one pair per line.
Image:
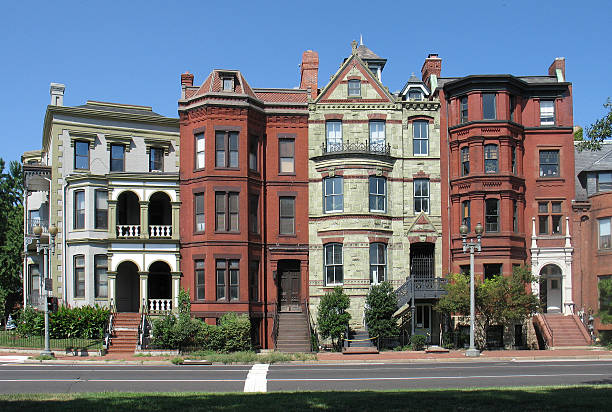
12,339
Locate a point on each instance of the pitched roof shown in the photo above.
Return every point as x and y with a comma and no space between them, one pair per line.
214,83
594,160
282,95
366,54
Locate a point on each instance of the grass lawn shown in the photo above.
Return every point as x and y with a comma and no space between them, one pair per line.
12,340
575,398
250,357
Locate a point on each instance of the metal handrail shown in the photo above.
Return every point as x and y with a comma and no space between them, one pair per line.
143,324
307,312
108,334
275,320
549,330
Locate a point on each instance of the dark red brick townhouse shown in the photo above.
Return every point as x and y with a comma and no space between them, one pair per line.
244,194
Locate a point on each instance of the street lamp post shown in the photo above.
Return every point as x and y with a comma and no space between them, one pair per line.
45,249
471,246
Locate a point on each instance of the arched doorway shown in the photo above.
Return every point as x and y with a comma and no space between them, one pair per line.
160,215
128,215
159,287
551,281
127,288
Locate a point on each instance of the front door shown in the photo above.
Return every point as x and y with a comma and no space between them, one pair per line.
290,291
127,288
423,321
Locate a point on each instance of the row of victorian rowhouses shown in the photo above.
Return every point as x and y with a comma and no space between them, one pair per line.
259,201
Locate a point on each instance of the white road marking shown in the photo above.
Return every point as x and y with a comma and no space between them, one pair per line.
432,367
256,379
436,377
121,380
13,359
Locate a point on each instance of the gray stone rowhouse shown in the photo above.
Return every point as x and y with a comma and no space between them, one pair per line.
374,188
107,178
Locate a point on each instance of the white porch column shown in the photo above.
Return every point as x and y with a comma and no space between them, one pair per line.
112,281
144,290
176,285
568,301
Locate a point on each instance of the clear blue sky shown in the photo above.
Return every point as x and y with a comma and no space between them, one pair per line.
134,51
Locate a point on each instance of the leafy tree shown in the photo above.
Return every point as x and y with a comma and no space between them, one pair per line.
381,304
605,300
503,300
598,131
578,135
11,236
332,318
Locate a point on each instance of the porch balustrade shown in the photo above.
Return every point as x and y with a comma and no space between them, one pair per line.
160,231
160,305
126,231
36,221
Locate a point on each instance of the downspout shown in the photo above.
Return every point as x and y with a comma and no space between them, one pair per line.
447,194
64,276
264,233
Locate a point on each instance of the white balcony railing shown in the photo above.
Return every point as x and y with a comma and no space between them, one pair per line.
160,305
36,221
157,231
127,231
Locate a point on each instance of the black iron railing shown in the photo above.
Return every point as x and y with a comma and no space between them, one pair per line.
357,147
420,288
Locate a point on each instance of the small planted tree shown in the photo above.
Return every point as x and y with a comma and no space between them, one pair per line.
605,300
332,318
381,304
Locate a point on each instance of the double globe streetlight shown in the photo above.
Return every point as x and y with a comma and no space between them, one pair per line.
45,249
471,246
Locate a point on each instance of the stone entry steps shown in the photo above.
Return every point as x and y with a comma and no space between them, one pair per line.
293,333
568,330
125,333
360,344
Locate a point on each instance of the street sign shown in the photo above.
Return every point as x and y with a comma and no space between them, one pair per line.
49,284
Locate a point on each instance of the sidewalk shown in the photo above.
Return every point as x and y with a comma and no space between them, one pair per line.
334,357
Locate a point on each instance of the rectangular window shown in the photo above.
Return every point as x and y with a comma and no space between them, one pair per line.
198,200
464,109
465,214
465,161
101,276
253,146
286,154
377,136
254,281
604,233
253,213
488,106
333,136
117,159
228,275
226,149
604,181
101,209
549,216
492,215
415,94
378,263
287,215
420,138
549,163
513,160
199,279
547,113
492,269
556,218
333,198
156,159
543,218
514,216
378,194
333,264
79,209
354,88
421,195
228,84
79,276
81,155
200,144
226,211
491,161
34,282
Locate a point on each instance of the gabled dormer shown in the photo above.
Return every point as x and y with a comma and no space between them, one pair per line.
415,90
355,81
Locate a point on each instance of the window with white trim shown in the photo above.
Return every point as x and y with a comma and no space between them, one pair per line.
378,263
333,197
378,194
333,135
420,135
547,112
421,195
333,264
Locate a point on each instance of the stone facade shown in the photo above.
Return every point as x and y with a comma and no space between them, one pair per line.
357,157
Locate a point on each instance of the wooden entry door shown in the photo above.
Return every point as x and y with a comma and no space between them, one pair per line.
290,291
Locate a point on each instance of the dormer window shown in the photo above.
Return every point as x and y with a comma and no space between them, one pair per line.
374,69
354,87
415,94
228,84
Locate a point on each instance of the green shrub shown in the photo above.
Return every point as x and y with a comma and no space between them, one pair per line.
332,318
177,360
86,322
31,322
236,331
417,342
605,337
381,304
163,332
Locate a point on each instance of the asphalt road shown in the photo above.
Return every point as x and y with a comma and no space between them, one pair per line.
20,378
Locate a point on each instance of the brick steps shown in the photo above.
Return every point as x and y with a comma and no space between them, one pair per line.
125,333
566,331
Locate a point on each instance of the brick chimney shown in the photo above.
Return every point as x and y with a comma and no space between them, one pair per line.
186,81
557,68
56,90
309,72
431,67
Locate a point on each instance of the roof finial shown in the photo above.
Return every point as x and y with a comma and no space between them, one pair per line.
354,47
360,39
